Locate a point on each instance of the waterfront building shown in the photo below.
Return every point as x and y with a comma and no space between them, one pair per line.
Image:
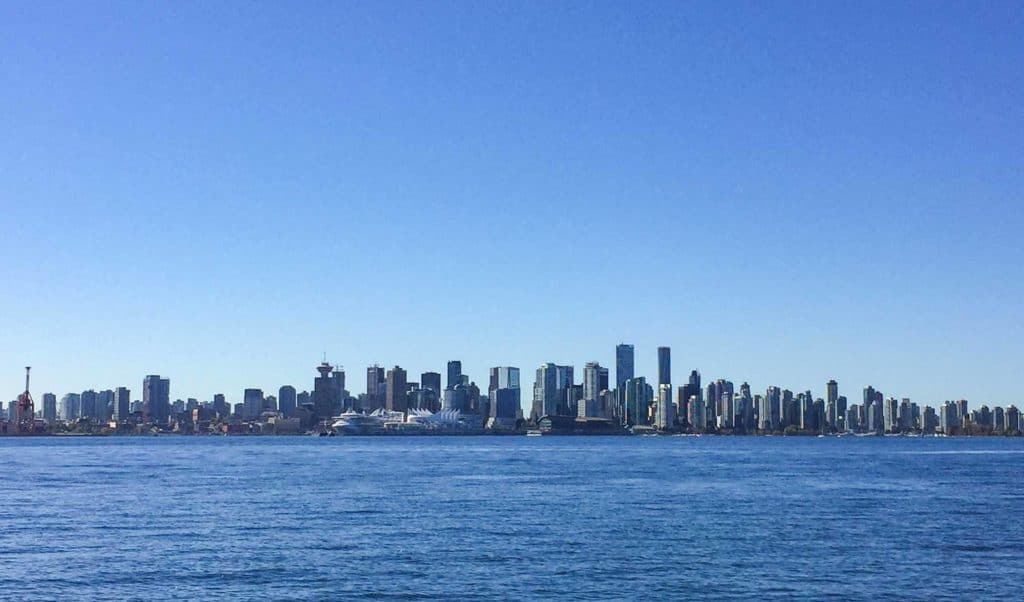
853,421
456,398
419,398
395,400
682,405
665,416
722,392
638,401
961,410
608,406
696,417
806,402
156,399
104,403
252,404
595,380
287,400
49,407
507,377
431,381
744,410
122,404
220,406
929,421
504,408
69,408
454,374
88,404
564,383
948,415
376,388
1012,419
624,363
768,414
998,419
831,391
545,392
328,390
891,415
574,396
664,366
905,417
711,413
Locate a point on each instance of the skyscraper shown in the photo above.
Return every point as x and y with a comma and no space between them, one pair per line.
664,366
638,401
88,404
286,400
396,400
49,407
564,382
595,380
326,396
505,398
507,377
70,407
432,381
623,364
454,373
665,415
220,406
122,403
252,404
156,399
104,403
376,387
545,392
831,392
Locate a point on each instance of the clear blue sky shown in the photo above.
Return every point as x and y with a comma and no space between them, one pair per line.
783,193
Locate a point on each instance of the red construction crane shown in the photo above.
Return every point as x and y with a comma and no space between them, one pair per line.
26,409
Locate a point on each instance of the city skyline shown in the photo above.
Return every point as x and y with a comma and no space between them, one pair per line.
222,193
455,373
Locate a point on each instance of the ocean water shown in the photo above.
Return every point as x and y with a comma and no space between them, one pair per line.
499,518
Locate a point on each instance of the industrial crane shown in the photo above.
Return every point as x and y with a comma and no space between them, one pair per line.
26,409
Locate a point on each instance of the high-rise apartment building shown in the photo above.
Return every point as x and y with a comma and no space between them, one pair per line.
122,403
624,364
287,400
156,399
454,374
396,400
664,366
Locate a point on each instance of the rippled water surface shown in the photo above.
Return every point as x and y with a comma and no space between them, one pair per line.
512,518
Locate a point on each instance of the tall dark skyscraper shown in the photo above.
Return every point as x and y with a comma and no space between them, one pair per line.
220,405
156,398
396,400
432,381
454,373
122,403
252,404
664,366
338,374
623,364
831,392
286,400
88,404
326,392
376,385
49,406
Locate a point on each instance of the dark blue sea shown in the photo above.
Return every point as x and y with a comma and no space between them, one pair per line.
499,518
